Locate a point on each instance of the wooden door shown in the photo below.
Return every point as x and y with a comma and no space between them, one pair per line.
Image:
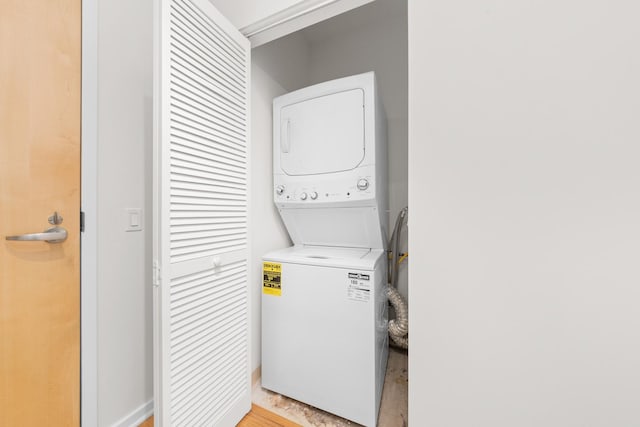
200,217
39,174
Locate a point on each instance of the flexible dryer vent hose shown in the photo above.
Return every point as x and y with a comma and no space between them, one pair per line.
398,327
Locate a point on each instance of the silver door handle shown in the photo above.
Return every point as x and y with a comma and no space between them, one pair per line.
50,235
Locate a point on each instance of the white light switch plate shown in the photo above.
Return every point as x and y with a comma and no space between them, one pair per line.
133,219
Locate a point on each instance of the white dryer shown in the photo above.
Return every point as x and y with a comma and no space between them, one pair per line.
324,306
330,163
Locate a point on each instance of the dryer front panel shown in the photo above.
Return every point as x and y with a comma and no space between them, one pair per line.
323,135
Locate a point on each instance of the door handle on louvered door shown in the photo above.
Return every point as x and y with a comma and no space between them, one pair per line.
50,235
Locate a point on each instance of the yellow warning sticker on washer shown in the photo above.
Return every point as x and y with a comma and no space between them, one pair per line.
272,278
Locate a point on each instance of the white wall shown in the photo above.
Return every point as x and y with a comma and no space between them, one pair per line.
124,181
524,189
276,68
358,42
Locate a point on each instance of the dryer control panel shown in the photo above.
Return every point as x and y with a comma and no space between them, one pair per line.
359,187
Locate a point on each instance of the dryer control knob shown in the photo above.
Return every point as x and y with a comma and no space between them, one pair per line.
363,184
280,189
303,196
314,195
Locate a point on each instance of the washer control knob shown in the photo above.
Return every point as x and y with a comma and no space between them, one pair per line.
280,190
363,184
303,196
314,195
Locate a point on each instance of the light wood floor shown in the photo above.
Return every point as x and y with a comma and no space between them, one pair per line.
258,417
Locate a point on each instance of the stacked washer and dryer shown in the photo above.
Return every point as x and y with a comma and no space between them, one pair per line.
324,304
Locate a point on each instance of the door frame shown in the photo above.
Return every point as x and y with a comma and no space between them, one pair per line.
89,205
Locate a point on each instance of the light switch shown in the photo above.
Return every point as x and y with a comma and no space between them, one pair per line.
134,219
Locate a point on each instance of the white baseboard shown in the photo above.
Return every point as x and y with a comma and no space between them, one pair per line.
135,418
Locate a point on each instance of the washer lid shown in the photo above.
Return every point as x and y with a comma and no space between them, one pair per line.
324,134
358,258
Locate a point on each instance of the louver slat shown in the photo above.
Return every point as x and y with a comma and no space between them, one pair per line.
205,320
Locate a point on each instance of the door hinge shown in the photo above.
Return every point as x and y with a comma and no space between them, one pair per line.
156,274
81,222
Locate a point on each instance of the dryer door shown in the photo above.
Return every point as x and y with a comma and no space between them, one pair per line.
323,134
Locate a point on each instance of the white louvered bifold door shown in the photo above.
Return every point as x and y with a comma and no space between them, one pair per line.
201,298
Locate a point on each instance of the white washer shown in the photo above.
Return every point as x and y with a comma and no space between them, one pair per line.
324,336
